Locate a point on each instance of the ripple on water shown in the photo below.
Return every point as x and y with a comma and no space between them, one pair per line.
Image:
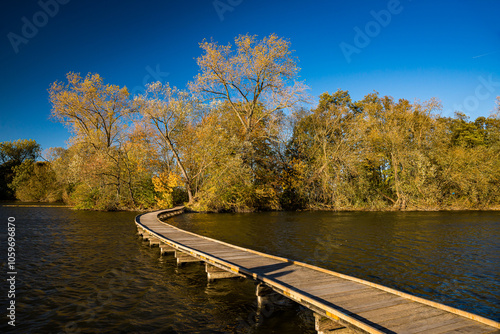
87,272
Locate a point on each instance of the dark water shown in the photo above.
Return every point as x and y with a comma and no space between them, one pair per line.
87,272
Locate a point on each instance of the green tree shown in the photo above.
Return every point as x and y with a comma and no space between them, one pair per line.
468,168
13,154
326,141
36,182
398,137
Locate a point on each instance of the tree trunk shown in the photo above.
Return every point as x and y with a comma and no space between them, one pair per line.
396,180
183,170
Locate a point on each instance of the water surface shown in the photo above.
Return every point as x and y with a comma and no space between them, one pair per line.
88,272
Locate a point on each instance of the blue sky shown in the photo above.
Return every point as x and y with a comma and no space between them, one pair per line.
415,50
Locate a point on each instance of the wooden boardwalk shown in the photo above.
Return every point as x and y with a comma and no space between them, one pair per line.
360,305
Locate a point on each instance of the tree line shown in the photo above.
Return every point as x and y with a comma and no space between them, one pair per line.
240,138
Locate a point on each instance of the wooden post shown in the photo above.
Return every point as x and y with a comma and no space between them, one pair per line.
324,325
184,258
153,241
266,295
214,273
166,249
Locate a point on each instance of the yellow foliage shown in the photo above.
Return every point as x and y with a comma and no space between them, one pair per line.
164,185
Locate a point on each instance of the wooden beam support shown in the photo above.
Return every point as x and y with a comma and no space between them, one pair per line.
324,325
267,296
214,273
184,258
166,249
153,241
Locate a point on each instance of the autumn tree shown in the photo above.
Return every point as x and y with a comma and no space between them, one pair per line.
254,82
325,140
62,163
258,78
144,160
94,111
16,152
168,111
225,181
398,135
96,114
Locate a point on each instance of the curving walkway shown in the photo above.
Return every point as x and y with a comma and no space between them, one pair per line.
336,299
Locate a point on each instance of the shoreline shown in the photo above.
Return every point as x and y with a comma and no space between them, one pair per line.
190,210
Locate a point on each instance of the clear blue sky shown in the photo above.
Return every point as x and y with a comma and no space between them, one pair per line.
444,49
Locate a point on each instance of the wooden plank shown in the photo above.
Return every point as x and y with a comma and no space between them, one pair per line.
369,299
300,276
304,284
234,258
211,244
372,297
250,259
231,259
227,257
393,300
211,251
183,239
216,250
462,326
425,324
348,290
179,236
328,288
170,233
408,318
352,292
256,263
223,252
392,312
475,329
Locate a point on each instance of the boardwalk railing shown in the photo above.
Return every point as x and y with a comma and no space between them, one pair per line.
336,299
